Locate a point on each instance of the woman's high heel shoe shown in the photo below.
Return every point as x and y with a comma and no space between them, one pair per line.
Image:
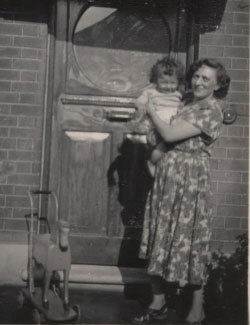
151,315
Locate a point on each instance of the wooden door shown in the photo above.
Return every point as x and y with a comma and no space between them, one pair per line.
102,58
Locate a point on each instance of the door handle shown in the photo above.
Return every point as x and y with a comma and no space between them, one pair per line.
119,115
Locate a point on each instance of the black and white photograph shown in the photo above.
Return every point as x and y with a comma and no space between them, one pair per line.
124,162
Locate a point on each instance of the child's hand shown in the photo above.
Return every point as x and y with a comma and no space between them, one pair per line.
150,107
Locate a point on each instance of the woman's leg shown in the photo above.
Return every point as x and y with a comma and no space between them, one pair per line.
196,313
158,293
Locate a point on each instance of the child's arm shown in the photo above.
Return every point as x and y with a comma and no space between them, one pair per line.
140,104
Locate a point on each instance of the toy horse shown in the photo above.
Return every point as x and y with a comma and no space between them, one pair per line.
52,251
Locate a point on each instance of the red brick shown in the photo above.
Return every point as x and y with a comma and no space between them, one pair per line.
246,131
27,110
9,97
241,18
232,211
9,75
10,29
27,122
226,176
3,155
238,97
233,223
237,29
242,117
29,53
25,133
20,155
239,75
17,201
236,6
37,144
30,98
24,179
36,168
8,121
24,144
21,190
234,165
2,200
239,86
218,222
21,212
5,212
237,131
28,75
38,122
214,187
31,42
228,17
215,51
235,153
244,177
4,132
31,30
6,189
235,53
6,143
5,85
231,234
16,224
23,167
219,153
10,52
26,64
6,40
233,199
231,142
5,63
236,188
26,86
214,163
244,223
240,40
5,109
221,40
244,199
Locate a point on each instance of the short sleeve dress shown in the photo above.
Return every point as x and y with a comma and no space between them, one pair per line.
177,222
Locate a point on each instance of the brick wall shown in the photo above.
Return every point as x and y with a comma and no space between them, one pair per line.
23,40
23,37
230,163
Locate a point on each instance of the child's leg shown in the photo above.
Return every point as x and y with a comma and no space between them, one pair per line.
156,155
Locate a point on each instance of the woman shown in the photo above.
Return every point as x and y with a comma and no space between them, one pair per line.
177,224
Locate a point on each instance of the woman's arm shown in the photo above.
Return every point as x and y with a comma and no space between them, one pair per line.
171,133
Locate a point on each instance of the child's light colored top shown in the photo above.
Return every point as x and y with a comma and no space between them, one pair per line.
166,104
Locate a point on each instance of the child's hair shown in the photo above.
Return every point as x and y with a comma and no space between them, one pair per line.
167,67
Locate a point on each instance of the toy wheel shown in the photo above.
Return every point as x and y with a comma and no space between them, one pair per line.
76,308
20,299
36,316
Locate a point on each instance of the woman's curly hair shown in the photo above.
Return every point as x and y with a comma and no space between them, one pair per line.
167,67
223,78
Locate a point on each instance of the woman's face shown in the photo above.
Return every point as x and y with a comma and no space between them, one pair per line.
204,82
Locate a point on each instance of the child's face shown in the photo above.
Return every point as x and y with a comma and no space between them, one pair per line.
166,83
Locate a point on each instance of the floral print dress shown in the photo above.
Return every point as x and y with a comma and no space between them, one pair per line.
177,222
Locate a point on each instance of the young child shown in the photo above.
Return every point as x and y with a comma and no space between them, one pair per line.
167,78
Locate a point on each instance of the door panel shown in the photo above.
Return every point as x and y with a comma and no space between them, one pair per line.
84,188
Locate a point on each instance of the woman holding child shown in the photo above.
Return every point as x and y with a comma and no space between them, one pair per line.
177,223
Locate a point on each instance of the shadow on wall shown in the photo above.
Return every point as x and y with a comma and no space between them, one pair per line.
226,290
